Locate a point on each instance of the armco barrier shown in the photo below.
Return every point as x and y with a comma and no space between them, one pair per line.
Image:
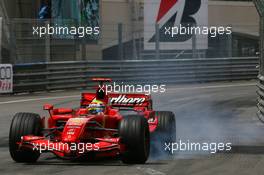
63,75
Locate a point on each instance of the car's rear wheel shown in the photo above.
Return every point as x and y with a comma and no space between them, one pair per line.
166,125
24,124
164,134
134,134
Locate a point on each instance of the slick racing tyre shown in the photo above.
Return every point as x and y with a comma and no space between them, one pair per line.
134,134
165,133
24,124
166,125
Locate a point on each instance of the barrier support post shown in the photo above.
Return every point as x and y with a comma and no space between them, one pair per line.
120,41
1,30
157,39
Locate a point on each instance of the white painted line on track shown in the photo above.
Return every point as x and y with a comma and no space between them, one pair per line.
212,87
39,99
150,171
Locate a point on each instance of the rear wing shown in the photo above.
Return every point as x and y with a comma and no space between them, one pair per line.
120,100
116,99
129,100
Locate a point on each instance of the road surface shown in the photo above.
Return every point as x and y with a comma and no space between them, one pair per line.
212,112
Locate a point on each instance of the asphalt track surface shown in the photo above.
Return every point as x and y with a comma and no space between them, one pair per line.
210,112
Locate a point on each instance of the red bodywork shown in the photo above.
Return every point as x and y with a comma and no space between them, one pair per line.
74,133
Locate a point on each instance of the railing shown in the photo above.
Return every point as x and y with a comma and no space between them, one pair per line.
65,75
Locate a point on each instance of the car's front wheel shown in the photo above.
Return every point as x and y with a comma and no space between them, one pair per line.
134,133
24,124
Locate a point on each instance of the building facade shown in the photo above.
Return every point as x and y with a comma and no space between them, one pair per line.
122,32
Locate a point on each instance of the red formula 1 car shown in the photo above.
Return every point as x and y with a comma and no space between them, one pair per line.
97,129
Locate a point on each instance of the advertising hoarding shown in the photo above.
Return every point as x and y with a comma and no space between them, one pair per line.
174,13
6,78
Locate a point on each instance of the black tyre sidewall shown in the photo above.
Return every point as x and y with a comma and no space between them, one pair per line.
164,134
166,126
134,133
21,125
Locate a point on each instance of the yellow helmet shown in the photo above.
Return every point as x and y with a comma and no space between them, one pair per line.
96,106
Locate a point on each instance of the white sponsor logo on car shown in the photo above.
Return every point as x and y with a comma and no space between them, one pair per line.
122,99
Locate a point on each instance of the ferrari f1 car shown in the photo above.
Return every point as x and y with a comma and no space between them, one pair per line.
96,129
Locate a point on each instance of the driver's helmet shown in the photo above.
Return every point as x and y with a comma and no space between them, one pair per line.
96,107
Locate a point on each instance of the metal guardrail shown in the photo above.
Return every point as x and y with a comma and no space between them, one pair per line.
63,75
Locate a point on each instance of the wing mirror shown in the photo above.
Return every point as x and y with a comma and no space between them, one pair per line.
48,107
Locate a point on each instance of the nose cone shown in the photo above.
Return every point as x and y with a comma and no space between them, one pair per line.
73,129
83,111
